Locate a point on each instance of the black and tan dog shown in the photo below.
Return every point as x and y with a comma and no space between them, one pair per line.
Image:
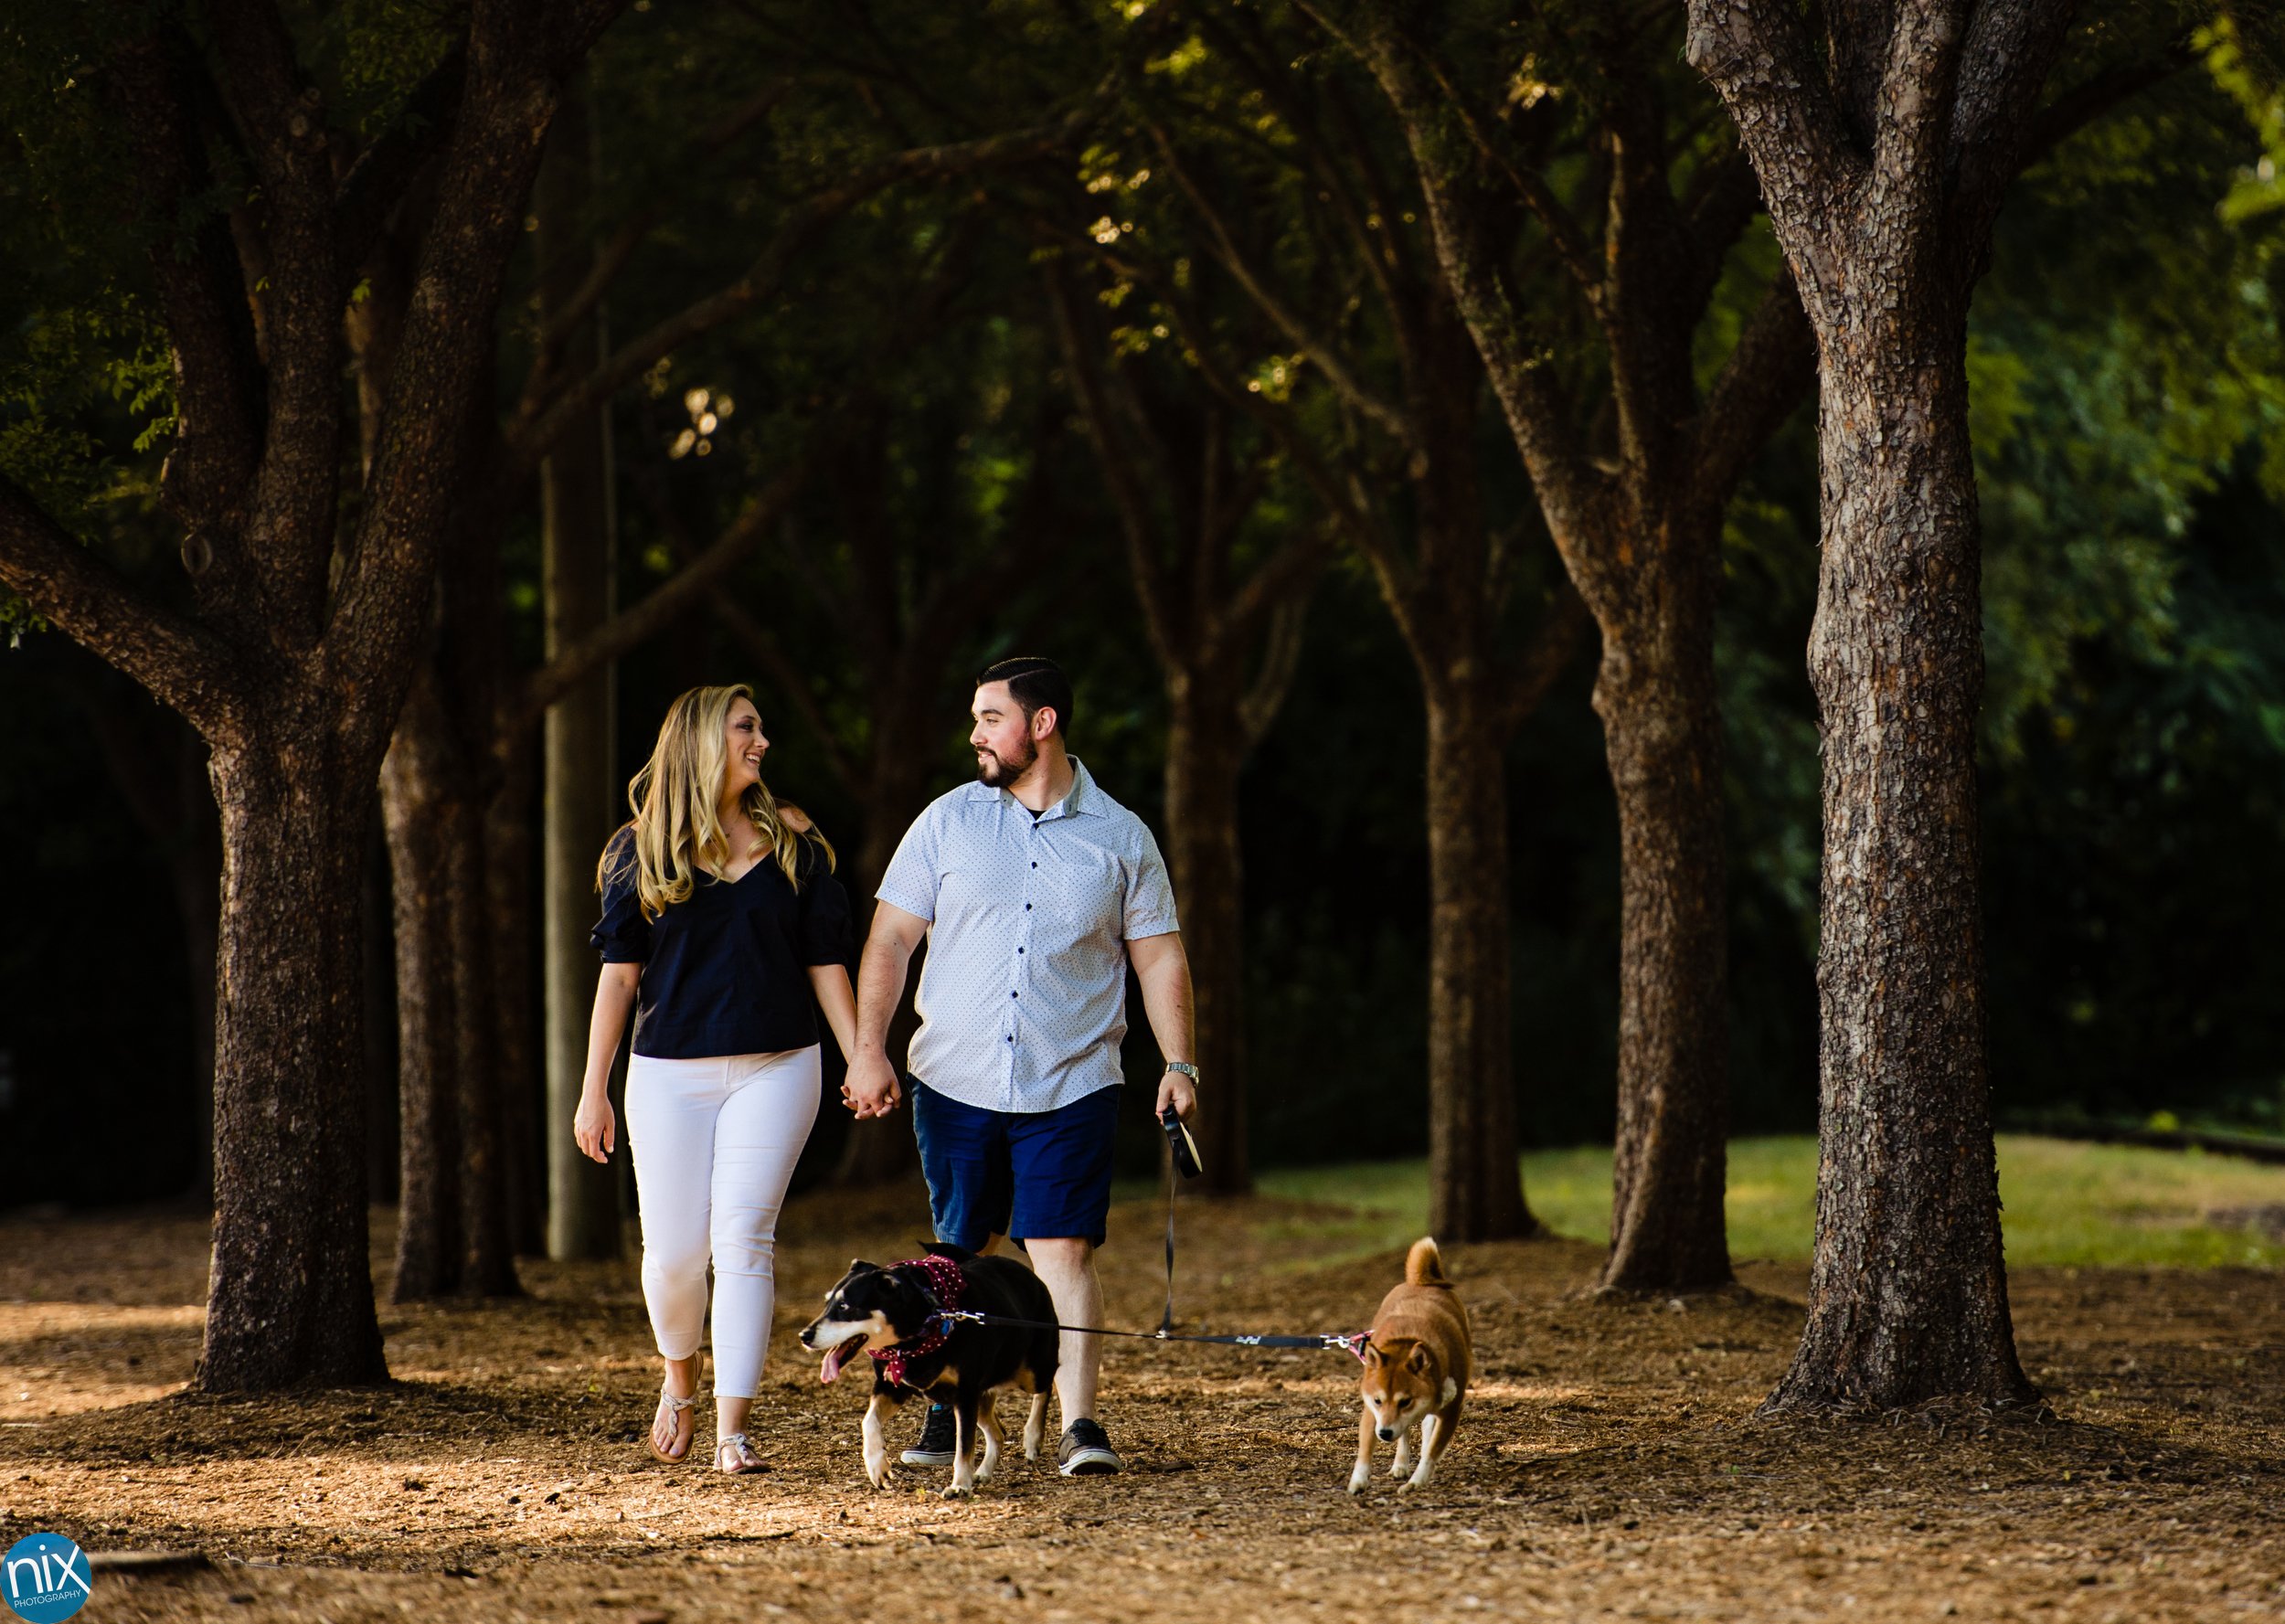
891,1313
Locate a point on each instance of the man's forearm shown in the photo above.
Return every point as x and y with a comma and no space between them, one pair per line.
1166,1000
880,983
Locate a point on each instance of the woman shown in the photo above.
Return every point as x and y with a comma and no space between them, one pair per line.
724,931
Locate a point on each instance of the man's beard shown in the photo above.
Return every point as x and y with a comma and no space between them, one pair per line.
994,769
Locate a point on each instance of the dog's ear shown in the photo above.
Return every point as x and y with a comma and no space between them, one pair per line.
857,1263
1419,1363
1373,1355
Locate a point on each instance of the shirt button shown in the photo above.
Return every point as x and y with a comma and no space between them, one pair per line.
1014,994
1019,952
1027,908
1035,866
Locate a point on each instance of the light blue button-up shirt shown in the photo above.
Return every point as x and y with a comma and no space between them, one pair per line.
1023,996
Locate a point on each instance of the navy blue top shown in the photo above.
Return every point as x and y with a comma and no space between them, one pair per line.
725,972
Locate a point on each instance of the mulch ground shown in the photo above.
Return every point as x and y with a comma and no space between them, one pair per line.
1607,1463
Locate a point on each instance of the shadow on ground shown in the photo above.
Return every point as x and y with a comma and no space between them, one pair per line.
1607,1462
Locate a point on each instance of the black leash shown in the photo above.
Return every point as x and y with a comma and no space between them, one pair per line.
1352,1343
1183,1155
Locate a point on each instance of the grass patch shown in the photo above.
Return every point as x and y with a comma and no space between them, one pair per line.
2065,1203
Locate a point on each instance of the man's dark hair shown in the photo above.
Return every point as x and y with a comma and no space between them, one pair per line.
1034,683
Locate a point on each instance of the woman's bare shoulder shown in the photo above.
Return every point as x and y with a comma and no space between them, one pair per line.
794,818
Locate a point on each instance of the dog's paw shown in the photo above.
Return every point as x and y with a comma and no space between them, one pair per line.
876,1474
1358,1478
954,1491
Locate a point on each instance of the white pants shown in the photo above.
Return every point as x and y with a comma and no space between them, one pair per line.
714,1141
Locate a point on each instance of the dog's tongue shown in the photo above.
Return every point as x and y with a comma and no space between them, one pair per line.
833,1365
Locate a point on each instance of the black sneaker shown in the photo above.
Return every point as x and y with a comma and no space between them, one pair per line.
935,1448
1086,1452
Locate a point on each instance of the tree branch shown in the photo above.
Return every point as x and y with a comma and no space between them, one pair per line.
538,421
1320,354
1918,83
1151,585
1772,366
1281,658
219,404
378,178
792,681
1560,631
179,661
630,628
1761,62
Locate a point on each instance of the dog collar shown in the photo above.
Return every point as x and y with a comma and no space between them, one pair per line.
947,1284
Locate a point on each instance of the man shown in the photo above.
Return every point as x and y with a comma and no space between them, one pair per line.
1035,891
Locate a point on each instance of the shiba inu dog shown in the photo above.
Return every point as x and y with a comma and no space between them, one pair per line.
893,1313
1415,1370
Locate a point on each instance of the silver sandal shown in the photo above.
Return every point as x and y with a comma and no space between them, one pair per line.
742,1458
678,1406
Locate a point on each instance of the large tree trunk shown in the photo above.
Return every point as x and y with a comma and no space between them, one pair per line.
1204,756
1475,1181
290,1293
582,801
1908,1293
1661,733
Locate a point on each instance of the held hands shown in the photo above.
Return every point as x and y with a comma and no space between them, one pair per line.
1178,1091
871,1088
594,1127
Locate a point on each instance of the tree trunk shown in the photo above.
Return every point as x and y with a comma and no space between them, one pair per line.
291,1293
198,906
1475,1181
421,836
487,1264
582,797
508,857
1908,1293
1661,731
377,991
1204,756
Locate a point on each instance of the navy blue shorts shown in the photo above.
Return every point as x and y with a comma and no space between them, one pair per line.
1023,1174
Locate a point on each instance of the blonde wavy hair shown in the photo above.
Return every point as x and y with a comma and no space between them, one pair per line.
677,804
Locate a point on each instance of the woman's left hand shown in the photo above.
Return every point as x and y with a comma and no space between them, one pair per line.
595,1127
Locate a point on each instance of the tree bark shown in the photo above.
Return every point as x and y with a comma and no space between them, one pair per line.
1907,1291
379,993
487,1264
508,860
290,1295
296,650
1883,185
419,824
1475,1182
1662,735
581,802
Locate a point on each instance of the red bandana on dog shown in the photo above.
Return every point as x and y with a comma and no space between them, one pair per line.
945,1277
